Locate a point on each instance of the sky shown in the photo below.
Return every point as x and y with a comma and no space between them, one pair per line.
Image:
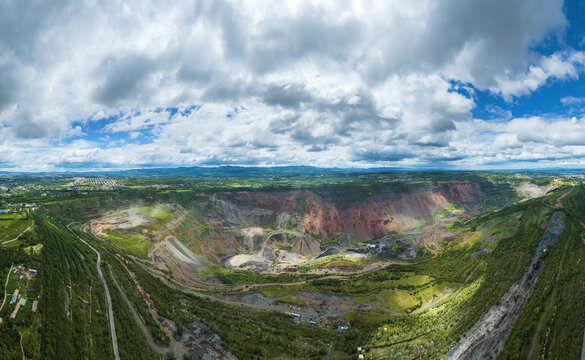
452,84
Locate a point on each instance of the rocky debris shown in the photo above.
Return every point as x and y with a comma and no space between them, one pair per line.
178,257
239,214
202,343
269,254
246,261
306,246
486,338
332,250
317,305
290,257
254,266
125,220
255,297
253,238
399,247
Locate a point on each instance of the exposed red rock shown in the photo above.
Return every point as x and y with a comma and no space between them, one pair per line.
371,218
465,193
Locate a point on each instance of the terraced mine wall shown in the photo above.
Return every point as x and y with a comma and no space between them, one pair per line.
369,218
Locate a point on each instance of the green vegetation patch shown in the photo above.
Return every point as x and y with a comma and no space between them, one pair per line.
278,291
336,261
158,212
11,228
433,291
134,244
294,301
237,277
343,264
395,300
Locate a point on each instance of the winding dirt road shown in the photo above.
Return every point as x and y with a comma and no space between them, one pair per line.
138,319
19,235
5,285
108,297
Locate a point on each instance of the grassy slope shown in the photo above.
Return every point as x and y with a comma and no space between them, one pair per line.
445,323
11,228
134,244
551,323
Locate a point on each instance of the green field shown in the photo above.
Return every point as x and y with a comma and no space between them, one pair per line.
395,300
433,291
11,228
134,244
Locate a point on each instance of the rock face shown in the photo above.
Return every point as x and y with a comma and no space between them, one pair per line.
465,193
228,224
370,218
178,256
240,214
202,343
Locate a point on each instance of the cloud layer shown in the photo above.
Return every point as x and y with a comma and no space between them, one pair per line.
86,84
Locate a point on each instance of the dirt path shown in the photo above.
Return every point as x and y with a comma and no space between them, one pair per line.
271,304
398,342
201,285
559,206
21,348
430,238
6,285
448,292
486,338
432,233
19,235
583,348
561,198
108,297
138,319
268,305
195,290
185,344
277,232
170,228
430,242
